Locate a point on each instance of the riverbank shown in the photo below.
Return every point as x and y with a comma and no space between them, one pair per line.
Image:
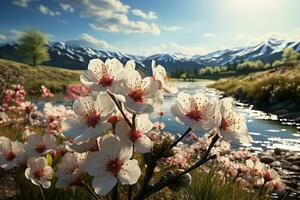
275,91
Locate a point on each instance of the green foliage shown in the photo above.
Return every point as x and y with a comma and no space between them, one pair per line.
277,63
33,47
250,66
289,55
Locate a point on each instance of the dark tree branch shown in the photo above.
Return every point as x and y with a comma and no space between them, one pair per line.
145,191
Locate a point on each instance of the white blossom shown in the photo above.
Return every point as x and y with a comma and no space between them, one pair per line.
111,163
11,153
159,73
70,169
141,95
102,76
136,136
91,118
232,125
39,172
198,111
38,144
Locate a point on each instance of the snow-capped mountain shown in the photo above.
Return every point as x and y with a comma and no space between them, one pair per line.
76,54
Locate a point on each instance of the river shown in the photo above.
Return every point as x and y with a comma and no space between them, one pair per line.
266,130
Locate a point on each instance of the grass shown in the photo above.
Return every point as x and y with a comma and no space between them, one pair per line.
266,87
206,186
56,79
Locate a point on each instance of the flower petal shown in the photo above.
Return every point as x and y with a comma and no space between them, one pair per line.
106,146
93,133
104,184
143,123
72,127
95,163
104,105
5,144
130,172
143,144
83,106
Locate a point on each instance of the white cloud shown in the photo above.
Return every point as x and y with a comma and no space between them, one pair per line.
62,21
208,35
112,16
292,35
66,7
92,40
171,28
2,37
120,23
150,15
46,11
10,35
22,3
170,47
15,34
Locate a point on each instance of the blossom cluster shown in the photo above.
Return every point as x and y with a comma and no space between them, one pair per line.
45,92
74,91
110,124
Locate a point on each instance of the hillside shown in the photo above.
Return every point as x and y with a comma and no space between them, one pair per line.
33,77
276,90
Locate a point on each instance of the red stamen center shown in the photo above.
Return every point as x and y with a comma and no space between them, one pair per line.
194,114
114,119
224,124
114,166
137,95
38,173
10,156
134,135
268,176
106,80
40,148
93,119
28,109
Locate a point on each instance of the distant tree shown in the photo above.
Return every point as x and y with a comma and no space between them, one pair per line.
289,54
33,47
277,63
267,66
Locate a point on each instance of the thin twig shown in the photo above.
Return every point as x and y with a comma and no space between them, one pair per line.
119,106
89,189
180,138
42,192
115,192
130,186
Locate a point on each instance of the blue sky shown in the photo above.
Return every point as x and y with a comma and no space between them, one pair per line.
154,26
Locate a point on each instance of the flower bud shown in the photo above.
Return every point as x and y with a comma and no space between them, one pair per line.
184,180
167,143
169,153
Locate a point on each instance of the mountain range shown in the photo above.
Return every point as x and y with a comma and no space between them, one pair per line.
76,54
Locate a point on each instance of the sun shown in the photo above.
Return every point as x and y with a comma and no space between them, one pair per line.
253,6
